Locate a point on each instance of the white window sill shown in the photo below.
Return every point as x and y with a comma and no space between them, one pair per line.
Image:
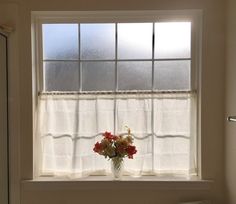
106,182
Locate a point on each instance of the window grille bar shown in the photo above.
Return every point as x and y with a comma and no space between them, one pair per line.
116,56
152,101
172,59
116,59
116,77
79,51
112,92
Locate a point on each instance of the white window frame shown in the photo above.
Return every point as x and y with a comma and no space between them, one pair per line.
193,16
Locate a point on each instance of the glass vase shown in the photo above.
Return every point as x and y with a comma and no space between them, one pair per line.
117,166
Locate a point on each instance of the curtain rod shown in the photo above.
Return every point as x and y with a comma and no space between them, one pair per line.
112,92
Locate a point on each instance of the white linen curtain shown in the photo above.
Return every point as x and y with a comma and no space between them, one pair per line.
163,126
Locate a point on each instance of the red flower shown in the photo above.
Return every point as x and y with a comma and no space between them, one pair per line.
115,146
108,135
97,147
115,137
131,150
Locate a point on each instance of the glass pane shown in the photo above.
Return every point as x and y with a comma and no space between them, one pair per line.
134,40
61,76
60,41
97,41
134,75
172,75
172,40
98,76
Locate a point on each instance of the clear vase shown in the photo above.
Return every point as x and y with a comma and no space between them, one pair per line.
117,166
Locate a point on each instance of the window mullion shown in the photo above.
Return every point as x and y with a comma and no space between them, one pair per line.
152,99
193,59
39,34
79,65
116,80
116,54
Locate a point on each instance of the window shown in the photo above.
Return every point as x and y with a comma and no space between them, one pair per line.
101,72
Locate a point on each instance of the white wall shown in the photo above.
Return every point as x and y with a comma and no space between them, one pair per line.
212,103
9,15
3,124
230,136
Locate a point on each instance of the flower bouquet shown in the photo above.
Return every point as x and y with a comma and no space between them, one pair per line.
116,148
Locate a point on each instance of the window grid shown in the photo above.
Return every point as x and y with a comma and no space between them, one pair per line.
116,60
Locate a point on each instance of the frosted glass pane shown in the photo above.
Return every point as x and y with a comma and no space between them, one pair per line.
172,75
60,41
134,40
98,76
134,75
61,76
173,40
98,41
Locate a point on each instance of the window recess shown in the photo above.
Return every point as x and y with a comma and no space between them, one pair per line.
95,77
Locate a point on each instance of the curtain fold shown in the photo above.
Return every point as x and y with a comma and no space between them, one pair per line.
163,126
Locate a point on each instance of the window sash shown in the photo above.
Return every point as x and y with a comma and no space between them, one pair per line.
193,16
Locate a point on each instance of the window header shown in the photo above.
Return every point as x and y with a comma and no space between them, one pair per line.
115,16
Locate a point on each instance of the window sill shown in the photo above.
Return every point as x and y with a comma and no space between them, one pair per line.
106,182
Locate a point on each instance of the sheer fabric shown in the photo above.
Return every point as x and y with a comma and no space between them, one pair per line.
68,126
